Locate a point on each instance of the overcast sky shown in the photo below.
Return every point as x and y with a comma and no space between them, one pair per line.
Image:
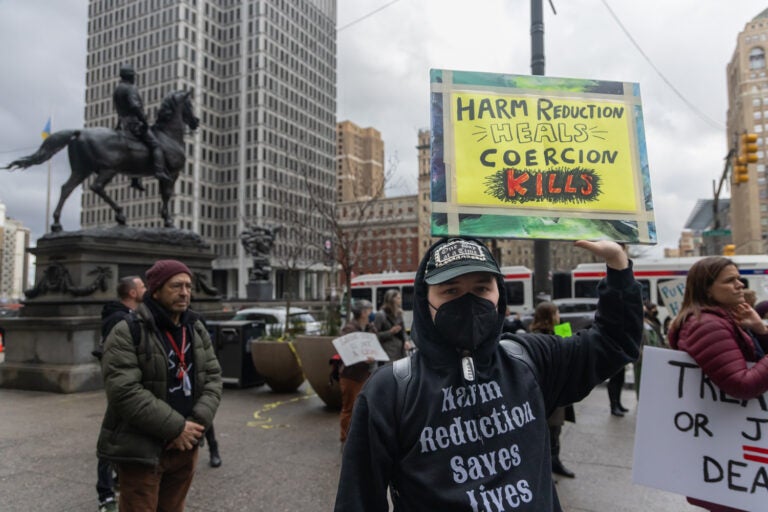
383,79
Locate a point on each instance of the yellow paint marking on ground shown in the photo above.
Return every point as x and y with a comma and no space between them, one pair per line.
266,422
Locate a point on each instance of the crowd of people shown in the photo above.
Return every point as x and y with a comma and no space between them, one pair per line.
472,384
421,431
422,427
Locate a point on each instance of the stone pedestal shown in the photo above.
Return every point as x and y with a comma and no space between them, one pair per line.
48,348
259,290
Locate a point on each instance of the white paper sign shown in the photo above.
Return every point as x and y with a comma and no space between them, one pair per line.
671,293
357,347
694,440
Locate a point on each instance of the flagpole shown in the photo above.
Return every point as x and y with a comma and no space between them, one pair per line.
48,202
46,225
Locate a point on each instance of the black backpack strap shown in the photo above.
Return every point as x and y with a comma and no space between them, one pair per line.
402,371
518,351
134,326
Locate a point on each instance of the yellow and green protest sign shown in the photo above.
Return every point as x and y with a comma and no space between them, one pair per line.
538,157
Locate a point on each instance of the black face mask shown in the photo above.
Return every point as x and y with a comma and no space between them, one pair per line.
467,322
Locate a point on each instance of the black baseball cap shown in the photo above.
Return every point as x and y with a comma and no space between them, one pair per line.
456,257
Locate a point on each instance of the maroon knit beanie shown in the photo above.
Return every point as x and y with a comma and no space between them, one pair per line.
162,271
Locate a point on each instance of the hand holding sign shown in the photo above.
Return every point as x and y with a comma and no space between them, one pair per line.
611,252
358,347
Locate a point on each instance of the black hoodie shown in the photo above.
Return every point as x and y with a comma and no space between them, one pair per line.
111,314
479,446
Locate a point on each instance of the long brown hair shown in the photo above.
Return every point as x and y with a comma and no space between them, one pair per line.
700,278
389,305
544,318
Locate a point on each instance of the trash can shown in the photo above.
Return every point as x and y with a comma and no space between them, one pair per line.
232,342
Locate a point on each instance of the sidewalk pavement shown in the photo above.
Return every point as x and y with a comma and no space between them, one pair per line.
281,453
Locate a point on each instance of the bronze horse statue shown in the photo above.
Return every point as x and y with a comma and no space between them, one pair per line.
108,152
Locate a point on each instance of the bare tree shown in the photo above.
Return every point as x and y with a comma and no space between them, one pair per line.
348,221
296,252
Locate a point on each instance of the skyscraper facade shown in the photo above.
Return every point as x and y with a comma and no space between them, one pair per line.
360,162
263,74
748,112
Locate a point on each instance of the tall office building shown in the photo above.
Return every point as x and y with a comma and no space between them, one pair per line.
14,260
360,162
263,74
748,112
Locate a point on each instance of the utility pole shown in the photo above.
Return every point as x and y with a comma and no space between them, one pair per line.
742,153
542,259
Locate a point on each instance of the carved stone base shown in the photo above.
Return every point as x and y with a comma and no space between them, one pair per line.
56,378
48,348
51,354
78,271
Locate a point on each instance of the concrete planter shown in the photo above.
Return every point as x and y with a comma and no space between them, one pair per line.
315,352
277,363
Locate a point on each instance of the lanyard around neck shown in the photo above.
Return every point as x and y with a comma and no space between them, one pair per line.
179,353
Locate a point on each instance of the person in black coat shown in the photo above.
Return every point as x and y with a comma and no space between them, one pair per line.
462,424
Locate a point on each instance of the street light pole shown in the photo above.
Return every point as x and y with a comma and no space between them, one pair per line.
542,262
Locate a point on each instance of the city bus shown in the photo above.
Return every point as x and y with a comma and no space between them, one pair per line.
650,272
518,285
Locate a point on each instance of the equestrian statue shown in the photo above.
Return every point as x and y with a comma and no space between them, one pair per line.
134,149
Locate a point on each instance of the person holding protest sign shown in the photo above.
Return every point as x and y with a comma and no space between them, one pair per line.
545,317
722,333
352,378
461,424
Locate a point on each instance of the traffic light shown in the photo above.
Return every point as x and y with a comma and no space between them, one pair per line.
747,155
729,250
740,170
749,147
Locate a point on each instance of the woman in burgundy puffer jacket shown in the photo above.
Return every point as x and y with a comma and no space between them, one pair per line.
721,333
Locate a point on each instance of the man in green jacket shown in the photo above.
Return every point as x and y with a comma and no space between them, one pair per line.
163,385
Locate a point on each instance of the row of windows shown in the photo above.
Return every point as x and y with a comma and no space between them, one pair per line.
318,87
125,39
104,13
307,99
319,29
143,64
277,46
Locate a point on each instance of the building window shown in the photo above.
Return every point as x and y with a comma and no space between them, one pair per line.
756,58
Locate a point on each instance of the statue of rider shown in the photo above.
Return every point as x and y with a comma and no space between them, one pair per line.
131,118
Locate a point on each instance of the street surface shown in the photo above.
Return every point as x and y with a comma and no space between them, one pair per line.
281,453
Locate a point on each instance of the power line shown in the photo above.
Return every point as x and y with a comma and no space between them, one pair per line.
358,20
690,105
